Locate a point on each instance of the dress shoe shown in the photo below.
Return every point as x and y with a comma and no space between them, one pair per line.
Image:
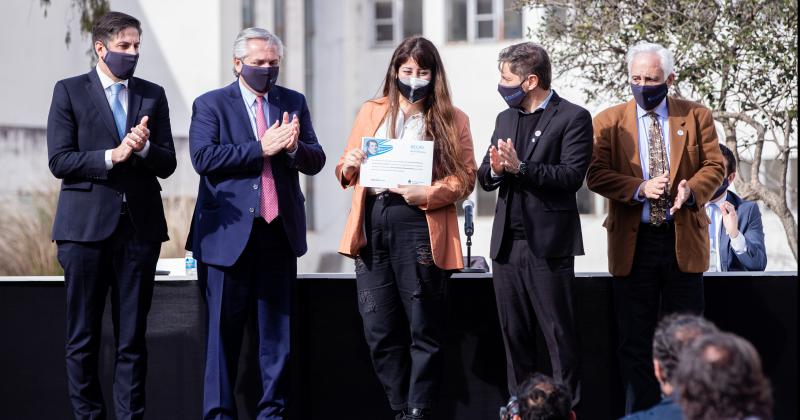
417,414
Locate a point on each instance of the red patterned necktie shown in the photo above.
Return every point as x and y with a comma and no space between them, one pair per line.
269,196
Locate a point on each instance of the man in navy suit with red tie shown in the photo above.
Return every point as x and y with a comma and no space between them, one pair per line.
108,140
249,141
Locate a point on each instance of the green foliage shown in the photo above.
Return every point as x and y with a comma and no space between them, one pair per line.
740,53
89,10
738,57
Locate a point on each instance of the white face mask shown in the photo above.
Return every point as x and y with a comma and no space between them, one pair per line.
414,83
413,89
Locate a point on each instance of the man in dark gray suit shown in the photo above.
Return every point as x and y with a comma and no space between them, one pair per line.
108,140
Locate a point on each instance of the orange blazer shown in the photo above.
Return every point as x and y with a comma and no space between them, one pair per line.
616,173
440,210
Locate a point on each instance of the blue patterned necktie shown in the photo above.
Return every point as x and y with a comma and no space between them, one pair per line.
120,117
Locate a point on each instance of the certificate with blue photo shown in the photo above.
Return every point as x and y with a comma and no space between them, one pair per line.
392,162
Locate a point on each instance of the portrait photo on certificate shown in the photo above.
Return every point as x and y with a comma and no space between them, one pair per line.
392,162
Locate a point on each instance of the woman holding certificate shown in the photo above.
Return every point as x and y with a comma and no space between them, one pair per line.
405,239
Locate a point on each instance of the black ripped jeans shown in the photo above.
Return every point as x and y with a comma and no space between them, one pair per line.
401,298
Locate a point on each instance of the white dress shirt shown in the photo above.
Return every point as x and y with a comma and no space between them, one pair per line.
250,102
123,99
739,243
252,106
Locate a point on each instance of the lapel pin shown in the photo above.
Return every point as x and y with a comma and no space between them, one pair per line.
537,133
680,132
533,139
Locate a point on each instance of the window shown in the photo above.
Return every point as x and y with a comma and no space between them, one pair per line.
555,18
512,21
394,20
248,13
472,20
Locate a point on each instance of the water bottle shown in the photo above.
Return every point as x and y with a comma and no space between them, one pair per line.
191,264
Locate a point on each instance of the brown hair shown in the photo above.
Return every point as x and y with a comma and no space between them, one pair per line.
719,376
111,23
438,110
674,333
728,155
527,58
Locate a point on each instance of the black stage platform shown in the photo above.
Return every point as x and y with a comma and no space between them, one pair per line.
331,373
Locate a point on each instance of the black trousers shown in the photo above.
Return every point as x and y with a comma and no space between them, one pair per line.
530,289
125,265
401,298
654,288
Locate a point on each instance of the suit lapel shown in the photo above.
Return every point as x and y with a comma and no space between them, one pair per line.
677,138
240,110
629,139
274,105
275,111
512,134
95,90
547,116
377,116
134,103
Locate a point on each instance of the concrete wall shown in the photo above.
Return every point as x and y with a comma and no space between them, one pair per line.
187,55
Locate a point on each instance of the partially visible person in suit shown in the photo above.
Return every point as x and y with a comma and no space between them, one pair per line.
736,232
405,240
108,140
657,160
719,376
249,141
674,333
540,398
539,152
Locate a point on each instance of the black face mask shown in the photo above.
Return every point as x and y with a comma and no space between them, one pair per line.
121,65
721,190
648,97
513,95
261,79
414,89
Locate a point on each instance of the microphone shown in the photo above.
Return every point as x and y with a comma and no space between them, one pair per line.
468,207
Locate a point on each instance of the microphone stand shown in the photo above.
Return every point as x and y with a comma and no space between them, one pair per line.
469,268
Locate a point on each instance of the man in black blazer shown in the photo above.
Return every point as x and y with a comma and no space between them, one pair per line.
108,139
538,157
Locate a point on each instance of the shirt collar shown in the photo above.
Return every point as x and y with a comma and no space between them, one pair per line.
248,95
719,200
660,110
546,100
106,81
541,106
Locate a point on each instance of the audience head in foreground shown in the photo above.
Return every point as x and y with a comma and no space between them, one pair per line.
719,377
540,398
674,333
